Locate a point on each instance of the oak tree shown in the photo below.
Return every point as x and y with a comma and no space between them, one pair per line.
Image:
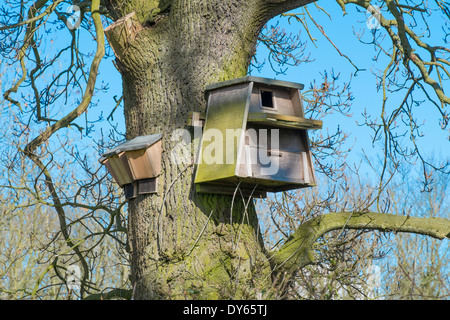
184,244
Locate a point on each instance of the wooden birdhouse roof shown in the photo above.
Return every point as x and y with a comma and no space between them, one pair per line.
256,80
141,142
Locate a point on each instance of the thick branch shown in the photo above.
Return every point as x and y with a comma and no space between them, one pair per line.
281,6
295,253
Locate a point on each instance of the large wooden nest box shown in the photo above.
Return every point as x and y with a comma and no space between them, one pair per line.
135,164
260,124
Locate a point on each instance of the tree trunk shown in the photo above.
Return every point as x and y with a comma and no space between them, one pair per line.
185,244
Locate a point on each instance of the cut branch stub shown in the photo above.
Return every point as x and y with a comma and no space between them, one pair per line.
121,32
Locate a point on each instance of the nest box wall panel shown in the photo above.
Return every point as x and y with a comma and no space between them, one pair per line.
263,134
135,164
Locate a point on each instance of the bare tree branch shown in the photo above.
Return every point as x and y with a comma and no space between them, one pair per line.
81,108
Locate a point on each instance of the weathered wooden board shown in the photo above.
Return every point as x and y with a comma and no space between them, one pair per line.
196,119
226,115
286,101
108,166
121,169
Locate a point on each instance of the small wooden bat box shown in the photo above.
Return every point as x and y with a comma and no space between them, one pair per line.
135,164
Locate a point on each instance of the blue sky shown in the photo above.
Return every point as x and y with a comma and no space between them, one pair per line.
340,29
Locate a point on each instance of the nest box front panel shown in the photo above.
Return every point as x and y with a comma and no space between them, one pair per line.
135,164
145,163
273,154
223,132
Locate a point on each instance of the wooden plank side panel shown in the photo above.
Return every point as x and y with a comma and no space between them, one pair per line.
108,166
297,103
282,166
227,113
255,102
120,167
283,101
196,119
312,172
244,163
281,97
275,138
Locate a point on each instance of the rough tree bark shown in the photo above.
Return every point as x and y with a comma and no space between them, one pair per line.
184,244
